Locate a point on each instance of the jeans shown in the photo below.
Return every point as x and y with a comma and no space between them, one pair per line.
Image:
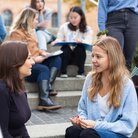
42,71
43,38
124,27
76,56
78,132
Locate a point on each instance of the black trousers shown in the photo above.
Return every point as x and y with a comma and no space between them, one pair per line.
78,132
76,56
124,27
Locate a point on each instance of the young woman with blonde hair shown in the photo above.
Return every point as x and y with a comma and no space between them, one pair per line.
45,69
108,107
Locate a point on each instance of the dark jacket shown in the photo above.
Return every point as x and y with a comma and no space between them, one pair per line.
14,113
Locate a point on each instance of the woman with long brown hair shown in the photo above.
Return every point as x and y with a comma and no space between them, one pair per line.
15,64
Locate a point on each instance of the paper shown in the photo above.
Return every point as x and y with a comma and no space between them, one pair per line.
87,46
56,53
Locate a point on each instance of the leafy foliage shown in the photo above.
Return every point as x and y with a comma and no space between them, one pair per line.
78,2
135,59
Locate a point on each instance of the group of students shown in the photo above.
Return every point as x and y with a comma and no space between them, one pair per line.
28,30
108,105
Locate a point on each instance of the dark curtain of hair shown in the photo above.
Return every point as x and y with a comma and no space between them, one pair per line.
13,55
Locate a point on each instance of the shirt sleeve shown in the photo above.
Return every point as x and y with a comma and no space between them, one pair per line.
127,122
47,15
102,14
4,112
88,36
61,33
82,105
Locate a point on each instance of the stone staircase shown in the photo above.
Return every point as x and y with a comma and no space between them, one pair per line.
69,92
69,89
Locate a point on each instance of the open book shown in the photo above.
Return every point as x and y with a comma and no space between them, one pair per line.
56,53
87,46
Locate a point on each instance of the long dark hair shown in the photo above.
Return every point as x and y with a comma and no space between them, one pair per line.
33,3
83,24
13,55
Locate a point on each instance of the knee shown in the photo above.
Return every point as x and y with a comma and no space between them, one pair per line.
58,59
88,133
44,69
43,76
57,62
72,132
84,133
80,50
68,132
66,49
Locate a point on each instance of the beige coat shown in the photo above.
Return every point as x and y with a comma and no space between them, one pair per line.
21,35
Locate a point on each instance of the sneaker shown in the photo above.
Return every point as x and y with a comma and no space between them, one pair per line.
80,76
63,75
43,107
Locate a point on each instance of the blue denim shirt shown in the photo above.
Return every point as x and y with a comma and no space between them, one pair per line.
106,6
2,30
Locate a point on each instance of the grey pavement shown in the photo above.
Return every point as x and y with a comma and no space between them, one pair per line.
52,117
50,121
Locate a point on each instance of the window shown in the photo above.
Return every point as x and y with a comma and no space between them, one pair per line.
7,17
54,20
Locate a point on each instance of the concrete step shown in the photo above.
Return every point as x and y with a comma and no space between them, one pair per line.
61,84
65,98
54,130
48,131
88,58
72,70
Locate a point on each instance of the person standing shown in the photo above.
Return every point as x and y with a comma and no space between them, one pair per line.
76,30
108,107
2,30
45,69
120,18
15,64
44,17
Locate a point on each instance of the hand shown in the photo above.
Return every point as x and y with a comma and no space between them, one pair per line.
39,59
87,123
78,40
53,43
45,54
41,11
75,120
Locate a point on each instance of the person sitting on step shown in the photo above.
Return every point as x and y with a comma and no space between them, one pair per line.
108,107
15,64
76,30
45,69
44,16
